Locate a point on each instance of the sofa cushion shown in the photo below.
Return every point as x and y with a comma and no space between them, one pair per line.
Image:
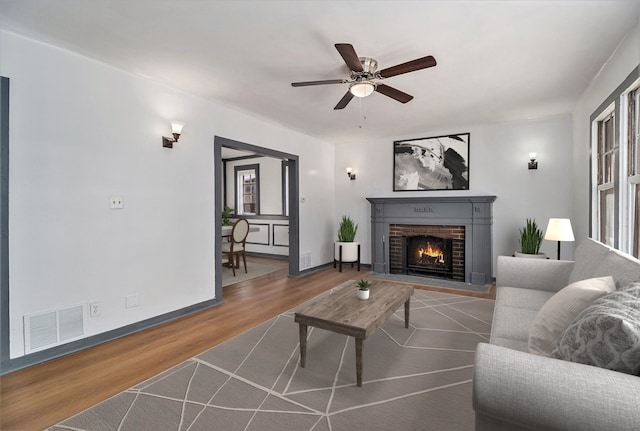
514,310
510,328
535,274
588,256
560,310
624,268
606,334
516,297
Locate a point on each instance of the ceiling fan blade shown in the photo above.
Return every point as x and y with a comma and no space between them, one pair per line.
349,56
344,101
393,93
326,81
409,66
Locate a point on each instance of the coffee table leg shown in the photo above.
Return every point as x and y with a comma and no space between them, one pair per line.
359,343
407,307
303,345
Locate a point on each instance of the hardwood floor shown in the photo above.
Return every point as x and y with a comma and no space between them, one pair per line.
40,396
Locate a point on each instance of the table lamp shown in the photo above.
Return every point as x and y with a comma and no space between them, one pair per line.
559,229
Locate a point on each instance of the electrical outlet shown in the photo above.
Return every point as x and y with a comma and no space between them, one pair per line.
116,203
94,309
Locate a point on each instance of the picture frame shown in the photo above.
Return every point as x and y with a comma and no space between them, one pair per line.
434,163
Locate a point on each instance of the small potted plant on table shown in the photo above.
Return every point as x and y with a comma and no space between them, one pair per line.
363,289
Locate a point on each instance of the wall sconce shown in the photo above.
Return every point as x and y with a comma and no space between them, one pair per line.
350,174
176,130
533,164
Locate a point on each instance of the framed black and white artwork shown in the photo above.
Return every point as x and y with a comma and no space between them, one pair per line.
437,163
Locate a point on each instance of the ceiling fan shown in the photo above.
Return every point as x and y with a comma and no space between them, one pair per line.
364,76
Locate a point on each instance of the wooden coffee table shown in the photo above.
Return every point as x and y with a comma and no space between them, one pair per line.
342,312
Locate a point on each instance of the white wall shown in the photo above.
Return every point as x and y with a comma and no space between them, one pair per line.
270,183
498,166
614,72
270,203
80,132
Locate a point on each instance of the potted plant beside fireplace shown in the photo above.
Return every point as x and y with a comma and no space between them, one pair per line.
346,244
530,240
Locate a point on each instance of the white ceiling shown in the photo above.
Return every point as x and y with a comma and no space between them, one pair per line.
497,60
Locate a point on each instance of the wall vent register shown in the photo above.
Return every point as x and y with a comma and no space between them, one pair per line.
52,328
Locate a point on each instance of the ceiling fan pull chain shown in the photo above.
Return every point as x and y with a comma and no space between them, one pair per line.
363,112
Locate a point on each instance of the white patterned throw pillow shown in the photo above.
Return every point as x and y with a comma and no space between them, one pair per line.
560,310
606,334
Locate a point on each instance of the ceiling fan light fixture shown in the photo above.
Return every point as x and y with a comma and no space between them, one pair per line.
362,89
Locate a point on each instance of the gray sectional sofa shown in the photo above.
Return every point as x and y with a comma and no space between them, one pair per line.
516,390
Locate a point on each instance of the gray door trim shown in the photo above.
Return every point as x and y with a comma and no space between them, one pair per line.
294,209
4,222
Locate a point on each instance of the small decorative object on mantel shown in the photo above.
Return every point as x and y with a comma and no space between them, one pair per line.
438,163
363,288
530,240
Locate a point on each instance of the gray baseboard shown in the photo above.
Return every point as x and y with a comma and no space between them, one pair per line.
94,340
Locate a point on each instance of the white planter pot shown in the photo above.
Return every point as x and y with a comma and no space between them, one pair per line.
531,256
349,251
363,294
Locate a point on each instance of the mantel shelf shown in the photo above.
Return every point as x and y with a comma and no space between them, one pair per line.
433,199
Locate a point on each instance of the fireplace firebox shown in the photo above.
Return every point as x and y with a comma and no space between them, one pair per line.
427,250
429,255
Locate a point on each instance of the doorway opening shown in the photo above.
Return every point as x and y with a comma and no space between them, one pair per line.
232,157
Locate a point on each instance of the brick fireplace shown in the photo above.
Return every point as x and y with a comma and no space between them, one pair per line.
459,227
428,250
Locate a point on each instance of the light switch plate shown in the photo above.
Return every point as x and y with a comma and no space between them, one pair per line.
132,301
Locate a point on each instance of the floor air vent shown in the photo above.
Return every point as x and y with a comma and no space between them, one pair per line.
44,330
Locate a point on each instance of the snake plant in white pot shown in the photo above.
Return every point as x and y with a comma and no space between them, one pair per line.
346,240
530,240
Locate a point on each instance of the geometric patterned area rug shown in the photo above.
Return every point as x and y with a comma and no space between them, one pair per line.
413,379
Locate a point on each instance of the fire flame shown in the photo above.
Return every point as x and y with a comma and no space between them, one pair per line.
433,252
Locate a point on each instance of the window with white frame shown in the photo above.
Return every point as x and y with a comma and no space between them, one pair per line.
615,196
285,187
247,182
632,213
605,171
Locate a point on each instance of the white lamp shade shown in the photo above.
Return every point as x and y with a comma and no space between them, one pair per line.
176,127
559,229
362,89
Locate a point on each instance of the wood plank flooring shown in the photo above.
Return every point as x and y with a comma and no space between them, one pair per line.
40,396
